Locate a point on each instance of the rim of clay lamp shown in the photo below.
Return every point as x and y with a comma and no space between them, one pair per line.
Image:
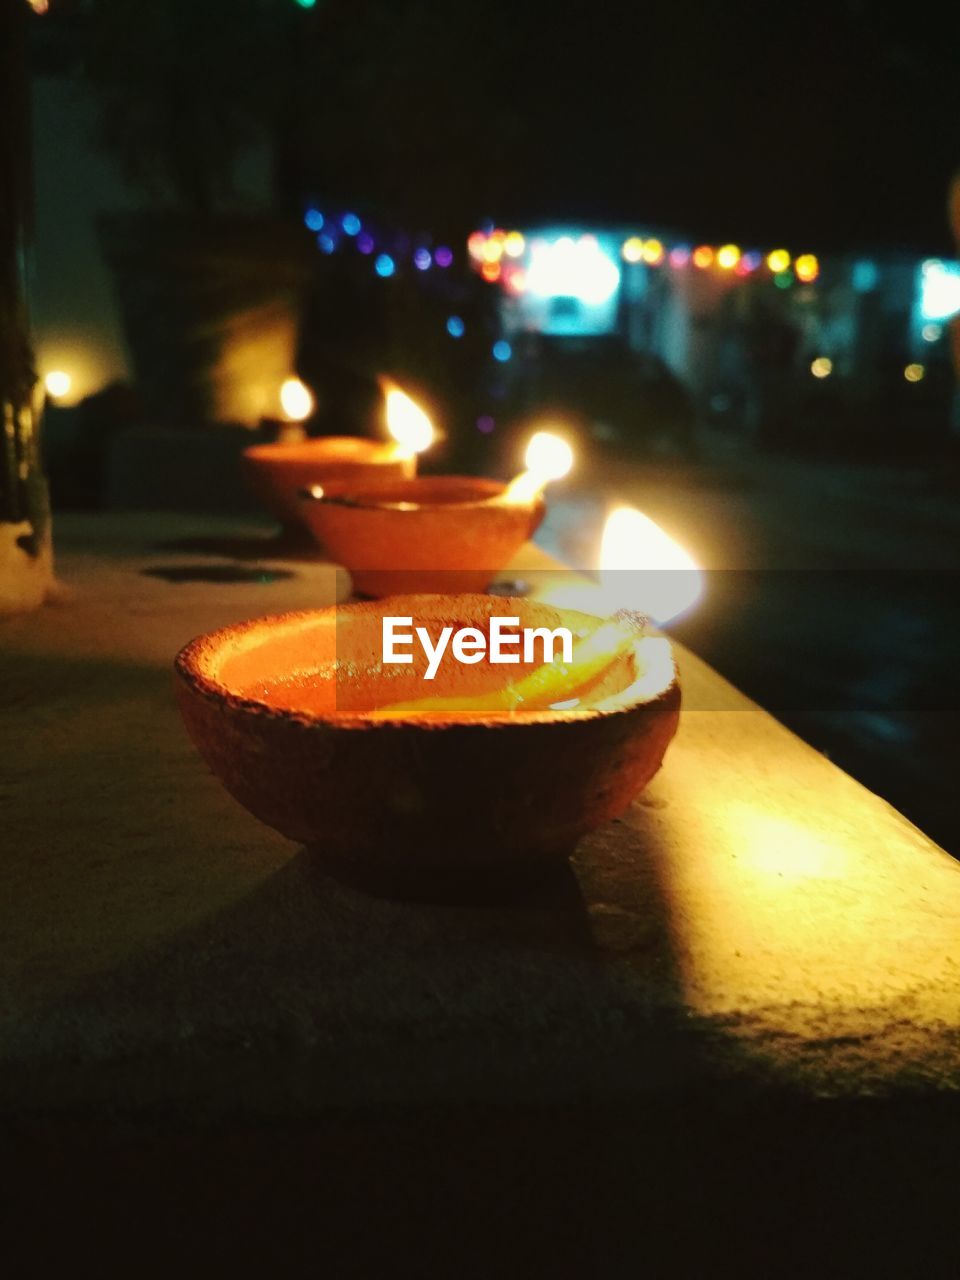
657,679
328,448
403,495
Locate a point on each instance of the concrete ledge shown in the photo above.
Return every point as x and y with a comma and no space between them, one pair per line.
758,918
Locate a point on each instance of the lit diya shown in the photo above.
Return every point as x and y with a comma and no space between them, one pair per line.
501,769
279,472
434,533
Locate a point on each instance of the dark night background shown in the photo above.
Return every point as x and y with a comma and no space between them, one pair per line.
826,125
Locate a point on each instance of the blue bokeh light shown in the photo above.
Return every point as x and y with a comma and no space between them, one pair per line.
385,265
351,223
502,351
314,219
444,256
455,327
422,259
326,243
365,243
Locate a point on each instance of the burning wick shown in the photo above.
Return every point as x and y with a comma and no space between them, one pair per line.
548,457
406,422
659,573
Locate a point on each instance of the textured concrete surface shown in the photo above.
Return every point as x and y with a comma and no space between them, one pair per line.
757,916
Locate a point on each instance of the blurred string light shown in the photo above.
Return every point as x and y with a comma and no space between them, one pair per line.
502,351
914,372
632,249
807,268
931,332
783,280
493,245
653,253
728,255
41,6
339,229
485,424
822,367
307,4
455,327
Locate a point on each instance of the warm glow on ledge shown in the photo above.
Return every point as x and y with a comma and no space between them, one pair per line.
406,421
728,256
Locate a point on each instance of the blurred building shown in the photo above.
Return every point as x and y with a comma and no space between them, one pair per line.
776,346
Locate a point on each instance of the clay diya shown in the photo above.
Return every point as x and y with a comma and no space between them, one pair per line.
434,533
309,729
279,472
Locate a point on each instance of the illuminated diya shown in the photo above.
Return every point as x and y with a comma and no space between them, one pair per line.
502,766
279,472
434,533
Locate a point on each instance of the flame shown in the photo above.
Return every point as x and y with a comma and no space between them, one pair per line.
406,421
548,457
296,399
661,580
58,384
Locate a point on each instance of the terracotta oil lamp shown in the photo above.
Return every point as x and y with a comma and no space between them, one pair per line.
435,533
306,727
279,472
487,770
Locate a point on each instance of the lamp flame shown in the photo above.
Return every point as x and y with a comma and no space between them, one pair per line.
642,568
296,400
548,457
406,421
